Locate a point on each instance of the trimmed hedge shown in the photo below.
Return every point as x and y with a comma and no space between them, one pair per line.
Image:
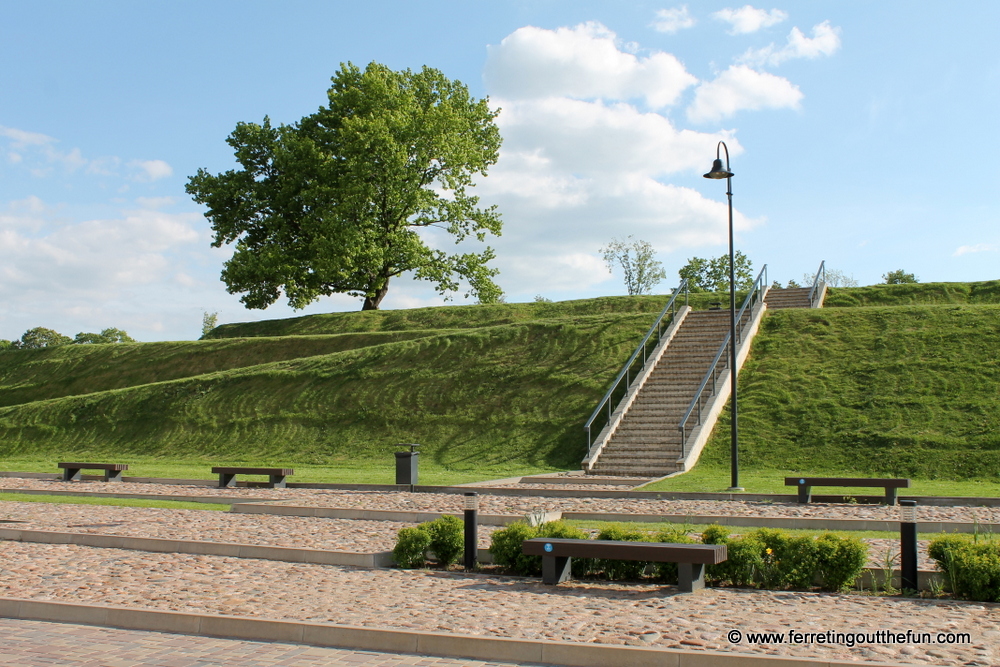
444,536
971,568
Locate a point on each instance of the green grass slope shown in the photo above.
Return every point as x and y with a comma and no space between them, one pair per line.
485,396
909,391
67,370
985,292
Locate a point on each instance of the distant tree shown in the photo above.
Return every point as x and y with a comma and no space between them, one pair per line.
792,284
775,285
541,299
8,345
834,278
637,260
106,336
712,275
39,337
899,277
208,322
337,202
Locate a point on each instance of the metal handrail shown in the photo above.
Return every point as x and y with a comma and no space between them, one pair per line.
754,296
626,372
817,281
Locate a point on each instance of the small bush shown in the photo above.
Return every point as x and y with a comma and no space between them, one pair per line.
667,572
616,570
447,535
972,571
580,567
505,546
411,547
840,560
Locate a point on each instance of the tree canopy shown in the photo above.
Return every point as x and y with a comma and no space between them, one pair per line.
637,259
899,277
712,275
337,202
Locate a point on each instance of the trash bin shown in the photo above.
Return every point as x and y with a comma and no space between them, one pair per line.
406,465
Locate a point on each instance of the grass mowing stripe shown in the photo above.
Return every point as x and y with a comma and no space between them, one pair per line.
112,502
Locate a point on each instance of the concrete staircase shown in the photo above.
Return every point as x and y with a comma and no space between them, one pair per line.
647,442
793,297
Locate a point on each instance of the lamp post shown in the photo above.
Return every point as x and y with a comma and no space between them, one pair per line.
718,172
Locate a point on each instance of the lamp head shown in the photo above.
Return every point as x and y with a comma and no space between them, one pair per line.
718,171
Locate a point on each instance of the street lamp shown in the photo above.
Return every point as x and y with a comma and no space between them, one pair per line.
718,172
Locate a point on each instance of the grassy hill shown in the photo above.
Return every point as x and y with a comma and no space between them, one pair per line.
895,380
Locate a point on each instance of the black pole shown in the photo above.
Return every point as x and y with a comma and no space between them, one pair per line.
471,530
908,546
734,454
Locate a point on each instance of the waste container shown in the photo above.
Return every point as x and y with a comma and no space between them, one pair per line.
406,465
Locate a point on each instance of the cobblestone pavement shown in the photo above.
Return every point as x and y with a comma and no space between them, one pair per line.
350,535
39,644
490,504
481,604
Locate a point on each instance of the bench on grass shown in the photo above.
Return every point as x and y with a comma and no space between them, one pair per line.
227,476
691,559
112,471
805,485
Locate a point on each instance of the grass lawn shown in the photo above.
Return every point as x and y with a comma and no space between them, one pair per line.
349,472
698,528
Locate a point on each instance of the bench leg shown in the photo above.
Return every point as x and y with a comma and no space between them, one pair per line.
805,494
226,480
890,495
112,475
72,475
690,577
277,482
555,569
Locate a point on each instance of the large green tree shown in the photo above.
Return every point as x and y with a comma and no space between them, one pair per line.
336,202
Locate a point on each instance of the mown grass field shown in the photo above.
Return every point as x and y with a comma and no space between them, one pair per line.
887,380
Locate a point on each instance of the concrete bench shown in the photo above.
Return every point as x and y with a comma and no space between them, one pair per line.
227,476
805,485
691,559
112,471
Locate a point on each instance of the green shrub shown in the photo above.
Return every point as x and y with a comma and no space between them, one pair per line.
972,570
840,560
667,572
505,547
447,534
614,569
411,547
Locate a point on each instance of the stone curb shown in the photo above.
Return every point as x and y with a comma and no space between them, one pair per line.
213,500
570,654
226,549
402,516
787,522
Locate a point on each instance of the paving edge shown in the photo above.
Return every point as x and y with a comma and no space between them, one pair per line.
404,516
199,547
570,654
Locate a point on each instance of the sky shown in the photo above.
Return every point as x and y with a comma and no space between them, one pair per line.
860,134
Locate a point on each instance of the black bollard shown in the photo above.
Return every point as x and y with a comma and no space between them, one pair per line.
471,530
908,545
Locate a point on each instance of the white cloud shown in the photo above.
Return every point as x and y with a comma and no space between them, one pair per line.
979,247
151,170
824,42
583,62
749,19
22,139
741,88
673,20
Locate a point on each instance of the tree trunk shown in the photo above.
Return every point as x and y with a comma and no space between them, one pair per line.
372,302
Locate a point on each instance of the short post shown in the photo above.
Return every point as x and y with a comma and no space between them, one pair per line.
908,545
471,530
406,466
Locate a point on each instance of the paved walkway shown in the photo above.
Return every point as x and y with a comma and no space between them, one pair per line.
39,644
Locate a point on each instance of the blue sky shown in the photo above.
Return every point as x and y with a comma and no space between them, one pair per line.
861,133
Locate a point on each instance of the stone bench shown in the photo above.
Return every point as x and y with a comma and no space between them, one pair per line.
112,471
227,476
691,559
805,485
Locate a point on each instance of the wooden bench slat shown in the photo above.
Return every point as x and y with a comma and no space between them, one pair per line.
657,552
253,471
112,471
899,483
94,466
